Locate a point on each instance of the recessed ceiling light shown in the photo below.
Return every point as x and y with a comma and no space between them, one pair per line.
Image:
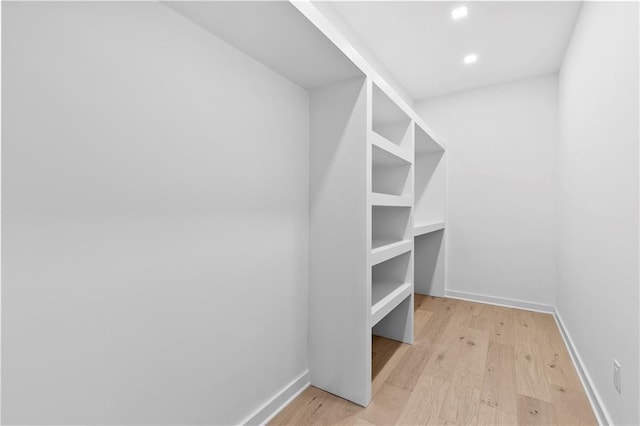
471,59
459,13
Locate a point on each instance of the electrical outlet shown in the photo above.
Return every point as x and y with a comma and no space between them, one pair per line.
617,379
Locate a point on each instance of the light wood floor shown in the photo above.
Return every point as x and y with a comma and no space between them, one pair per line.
471,364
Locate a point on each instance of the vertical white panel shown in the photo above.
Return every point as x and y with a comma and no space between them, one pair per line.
339,339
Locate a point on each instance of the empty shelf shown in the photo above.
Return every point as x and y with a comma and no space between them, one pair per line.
384,250
427,228
389,147
385,297
390,200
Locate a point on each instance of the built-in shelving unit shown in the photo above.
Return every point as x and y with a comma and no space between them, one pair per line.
429,214
391,261
375,185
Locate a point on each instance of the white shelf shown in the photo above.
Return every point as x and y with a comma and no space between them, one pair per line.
389,147
385,250
385,297
390,200
427,228
425,143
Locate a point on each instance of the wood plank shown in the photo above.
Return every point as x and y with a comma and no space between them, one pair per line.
558,366
386,407
337,411
406,374
483,318
462,402
442,314
386,354
418,301
423,406
442,363
534,412
420,321
458,322
530,376
435,304
571,407
499,386
301,409
362,422
492,416
504,326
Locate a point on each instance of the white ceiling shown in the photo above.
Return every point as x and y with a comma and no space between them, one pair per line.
423,48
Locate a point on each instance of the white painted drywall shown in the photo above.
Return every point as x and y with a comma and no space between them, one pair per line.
597,295
154,220
328,10
500,195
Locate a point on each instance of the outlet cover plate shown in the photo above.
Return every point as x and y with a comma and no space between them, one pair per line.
617,378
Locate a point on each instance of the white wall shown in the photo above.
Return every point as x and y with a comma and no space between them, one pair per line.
154,220
500,196
597,294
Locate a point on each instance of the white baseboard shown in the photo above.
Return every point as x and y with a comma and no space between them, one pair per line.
594,398
500,301
272,407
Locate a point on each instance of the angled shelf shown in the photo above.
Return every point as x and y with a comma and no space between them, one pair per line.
390,200
384,250
421,229
389,147
387,297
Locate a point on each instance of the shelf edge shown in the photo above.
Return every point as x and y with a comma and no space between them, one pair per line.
428,228
378,199
389,147
389,251
389,303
